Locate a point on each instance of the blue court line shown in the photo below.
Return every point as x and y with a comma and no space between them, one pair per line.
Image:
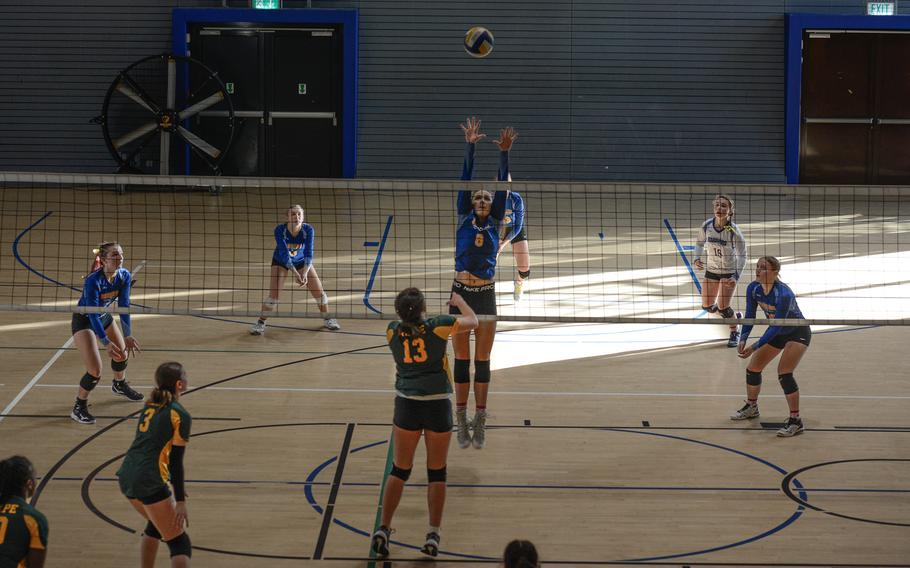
366,293
371,243
23,263
683,255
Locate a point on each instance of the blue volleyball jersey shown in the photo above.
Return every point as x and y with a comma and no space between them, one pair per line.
476,245
779,303
99,292
294,250
515,215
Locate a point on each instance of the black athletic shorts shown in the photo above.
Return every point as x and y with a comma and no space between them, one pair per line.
482,299
297,265
160,494
81,321
521,236
715,276
801,334
432,415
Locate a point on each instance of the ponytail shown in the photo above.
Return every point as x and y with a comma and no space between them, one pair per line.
15,473
520,554
100,252
410,306
166,377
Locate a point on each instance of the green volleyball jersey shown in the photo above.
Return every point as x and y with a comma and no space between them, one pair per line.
422,367
145,466
22,527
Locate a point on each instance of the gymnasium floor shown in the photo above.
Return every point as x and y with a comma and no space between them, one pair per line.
608,444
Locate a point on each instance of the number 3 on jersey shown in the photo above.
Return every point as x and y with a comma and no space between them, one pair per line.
146,419
419,346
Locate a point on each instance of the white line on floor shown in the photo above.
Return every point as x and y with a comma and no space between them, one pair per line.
35,379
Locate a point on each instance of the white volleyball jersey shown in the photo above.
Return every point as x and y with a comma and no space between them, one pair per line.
723,251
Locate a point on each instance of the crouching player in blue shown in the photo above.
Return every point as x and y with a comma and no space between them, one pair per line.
294,254
423,388
155,458
777,300
109,282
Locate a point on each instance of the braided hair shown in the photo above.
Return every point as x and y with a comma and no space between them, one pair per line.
166,377
520,554
15,473
410,306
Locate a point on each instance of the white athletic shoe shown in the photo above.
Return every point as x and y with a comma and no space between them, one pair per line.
462,434
258,328
479,424
793,427
748,411
518,291
331,324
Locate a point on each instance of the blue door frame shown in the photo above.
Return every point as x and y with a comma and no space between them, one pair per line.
347,19
795,25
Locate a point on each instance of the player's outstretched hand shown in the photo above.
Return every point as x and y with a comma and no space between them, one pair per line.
744,352
507,137
132,346
471,128
114,351
699,264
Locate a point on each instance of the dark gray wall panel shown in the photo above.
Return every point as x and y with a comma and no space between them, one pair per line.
671,90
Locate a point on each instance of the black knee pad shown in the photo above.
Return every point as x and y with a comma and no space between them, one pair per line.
181,546
436,475
118,366
710,309
89,382
151,531
727,312
788,383
402,474
524,273
753,378
462,371
481,371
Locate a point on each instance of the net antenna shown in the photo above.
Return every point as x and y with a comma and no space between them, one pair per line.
160,100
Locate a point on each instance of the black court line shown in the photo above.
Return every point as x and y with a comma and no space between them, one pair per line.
336,485
837,429
54,468
548,561
897,428
118,417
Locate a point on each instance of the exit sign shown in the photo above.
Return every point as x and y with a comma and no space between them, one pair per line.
880,8
266,4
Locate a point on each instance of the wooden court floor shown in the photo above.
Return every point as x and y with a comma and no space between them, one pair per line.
606,459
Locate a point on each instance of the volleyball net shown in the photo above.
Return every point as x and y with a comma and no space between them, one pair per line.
598,252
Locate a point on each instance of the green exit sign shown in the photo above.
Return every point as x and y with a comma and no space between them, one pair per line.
880,8
266,4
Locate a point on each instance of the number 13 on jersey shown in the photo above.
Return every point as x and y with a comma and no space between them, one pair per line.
419,346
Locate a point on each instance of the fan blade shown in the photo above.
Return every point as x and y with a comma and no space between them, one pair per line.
126,90
135,134
199,142
205,103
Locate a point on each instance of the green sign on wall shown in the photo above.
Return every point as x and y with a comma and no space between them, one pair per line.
266,4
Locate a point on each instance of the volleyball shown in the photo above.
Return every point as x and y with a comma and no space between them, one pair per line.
478,42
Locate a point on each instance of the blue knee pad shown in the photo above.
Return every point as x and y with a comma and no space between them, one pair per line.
180,546
402,474
481,371
89,382
151,531
753,378
436,475
118,366
788,383
462,371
